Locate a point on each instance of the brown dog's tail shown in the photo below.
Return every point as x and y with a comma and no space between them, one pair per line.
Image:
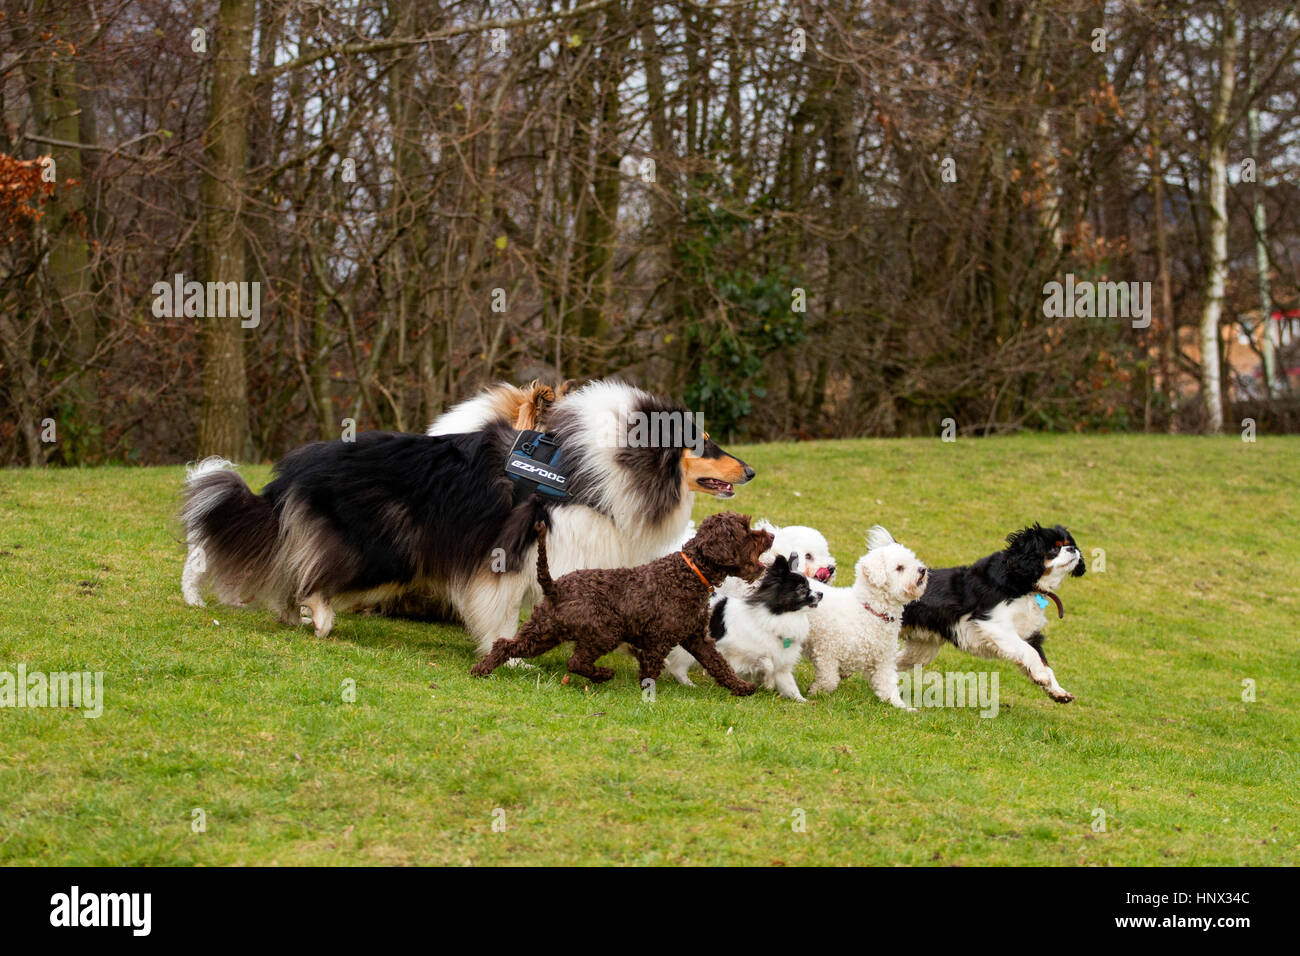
543,572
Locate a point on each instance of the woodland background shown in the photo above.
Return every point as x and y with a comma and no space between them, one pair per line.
434,196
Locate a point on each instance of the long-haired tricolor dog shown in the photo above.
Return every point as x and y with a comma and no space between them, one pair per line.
995,607
345,523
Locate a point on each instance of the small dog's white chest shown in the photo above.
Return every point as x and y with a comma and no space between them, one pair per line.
1026,615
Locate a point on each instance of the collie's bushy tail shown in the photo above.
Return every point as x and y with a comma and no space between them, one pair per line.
231,534
543,572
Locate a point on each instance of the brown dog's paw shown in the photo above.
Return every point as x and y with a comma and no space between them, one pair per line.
743,689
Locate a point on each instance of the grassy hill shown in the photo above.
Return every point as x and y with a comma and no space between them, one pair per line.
226,712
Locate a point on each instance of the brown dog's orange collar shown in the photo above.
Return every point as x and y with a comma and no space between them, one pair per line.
700,574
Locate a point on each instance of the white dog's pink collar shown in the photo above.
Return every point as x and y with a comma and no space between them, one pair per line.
884,617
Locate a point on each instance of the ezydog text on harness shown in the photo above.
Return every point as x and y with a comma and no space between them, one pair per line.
536,464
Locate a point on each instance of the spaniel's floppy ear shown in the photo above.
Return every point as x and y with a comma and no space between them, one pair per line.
1025,555
1016,536
878,537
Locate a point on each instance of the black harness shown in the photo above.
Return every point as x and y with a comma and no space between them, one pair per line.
536,466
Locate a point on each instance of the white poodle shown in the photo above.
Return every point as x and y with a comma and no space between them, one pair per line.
855,629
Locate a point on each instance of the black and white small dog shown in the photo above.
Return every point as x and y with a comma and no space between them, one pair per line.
995,607
761,634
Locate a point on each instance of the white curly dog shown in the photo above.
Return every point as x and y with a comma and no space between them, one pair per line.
855,629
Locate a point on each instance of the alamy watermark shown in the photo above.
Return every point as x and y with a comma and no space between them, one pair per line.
1085,299
132,911
920,688
208,300
78,690
668,429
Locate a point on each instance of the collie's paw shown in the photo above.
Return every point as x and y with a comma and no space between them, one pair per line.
1060,695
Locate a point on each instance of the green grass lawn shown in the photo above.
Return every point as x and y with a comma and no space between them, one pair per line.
226,711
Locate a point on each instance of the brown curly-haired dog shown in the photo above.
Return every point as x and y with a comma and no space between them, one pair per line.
653,608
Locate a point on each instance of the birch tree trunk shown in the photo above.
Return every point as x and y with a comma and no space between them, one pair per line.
1217,257
1260,219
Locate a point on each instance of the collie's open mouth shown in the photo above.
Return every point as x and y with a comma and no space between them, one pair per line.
717,487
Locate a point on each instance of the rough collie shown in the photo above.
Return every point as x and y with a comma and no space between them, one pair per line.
348,523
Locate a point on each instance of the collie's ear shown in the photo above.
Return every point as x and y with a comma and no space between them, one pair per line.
794,561
781,564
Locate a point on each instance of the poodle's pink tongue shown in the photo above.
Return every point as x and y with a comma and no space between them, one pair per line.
823,574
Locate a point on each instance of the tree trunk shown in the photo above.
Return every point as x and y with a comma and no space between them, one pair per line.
1217,257
61,114
223,428
1166,326
1267,326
